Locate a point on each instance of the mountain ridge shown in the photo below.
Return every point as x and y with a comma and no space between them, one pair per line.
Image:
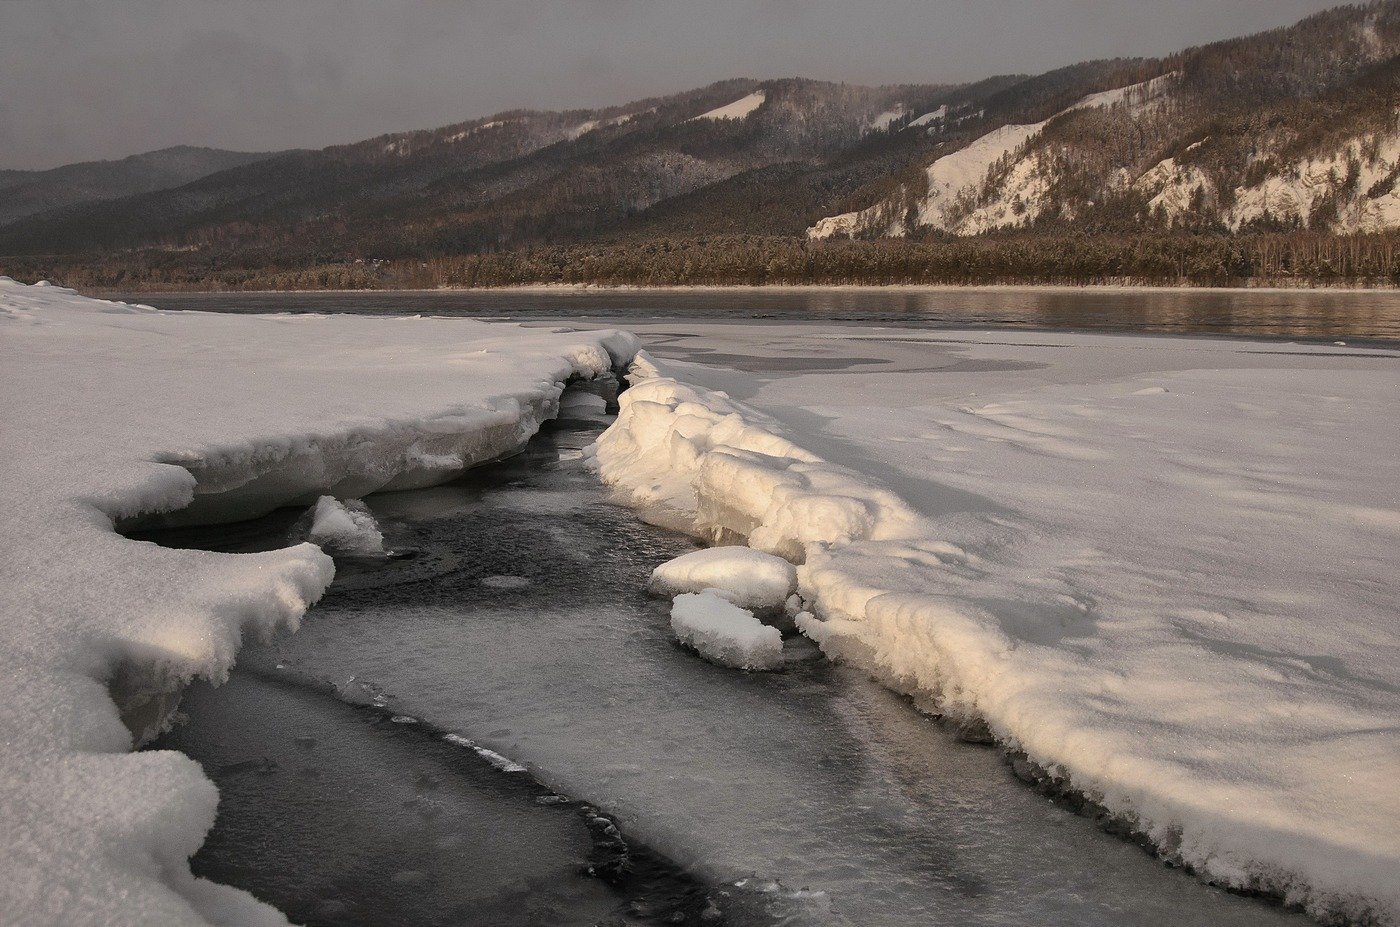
1290,131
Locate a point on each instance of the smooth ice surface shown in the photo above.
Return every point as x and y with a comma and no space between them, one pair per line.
345,527
724,633
114,412
749,578
1161,568
828,797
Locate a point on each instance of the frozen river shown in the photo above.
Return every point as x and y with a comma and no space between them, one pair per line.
519,623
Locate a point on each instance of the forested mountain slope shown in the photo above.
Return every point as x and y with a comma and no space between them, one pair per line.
1290,132
24,193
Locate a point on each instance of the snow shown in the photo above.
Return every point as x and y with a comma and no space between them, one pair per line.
345,527
938,115
883,121
955,180
724,633
1160,568
739,109
1296,191
118,413
749,578
1171,188
590,125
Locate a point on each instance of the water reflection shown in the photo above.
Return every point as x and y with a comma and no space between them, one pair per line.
1327,315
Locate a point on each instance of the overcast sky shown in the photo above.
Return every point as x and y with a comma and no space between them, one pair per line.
85,79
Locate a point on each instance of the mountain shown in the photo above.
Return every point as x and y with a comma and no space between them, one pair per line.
1295,128
1149,168
24,193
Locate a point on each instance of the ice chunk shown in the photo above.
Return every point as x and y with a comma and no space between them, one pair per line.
345,527
749,578
724,633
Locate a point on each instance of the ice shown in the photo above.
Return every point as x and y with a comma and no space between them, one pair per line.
1157,567
724,633
750,579
116,413
345,527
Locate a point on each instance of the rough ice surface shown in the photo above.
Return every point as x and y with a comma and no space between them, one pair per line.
118,413
345,527
724,633
749,578
1158,567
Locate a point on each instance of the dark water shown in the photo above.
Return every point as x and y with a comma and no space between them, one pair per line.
642,784
1319,315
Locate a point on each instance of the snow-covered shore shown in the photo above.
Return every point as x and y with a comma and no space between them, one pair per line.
1162,569
114,412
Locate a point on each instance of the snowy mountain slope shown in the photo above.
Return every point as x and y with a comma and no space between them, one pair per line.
954,201
1355,188
116,412
1236,136
1165,586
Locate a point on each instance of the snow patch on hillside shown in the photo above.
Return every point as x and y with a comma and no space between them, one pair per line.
1353,189
954,200
886,119
739,109
1173,188
591,125
119,413
938,115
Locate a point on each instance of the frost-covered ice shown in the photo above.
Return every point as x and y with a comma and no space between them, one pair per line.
751,579
724,633
1159,567
117,413
345,527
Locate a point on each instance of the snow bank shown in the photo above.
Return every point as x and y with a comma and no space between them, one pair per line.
749,578
118,413
1211,659
724,633
345,527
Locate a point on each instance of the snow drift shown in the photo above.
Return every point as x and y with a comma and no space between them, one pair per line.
118,413
1255,770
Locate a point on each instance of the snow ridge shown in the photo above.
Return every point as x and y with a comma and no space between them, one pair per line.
933,618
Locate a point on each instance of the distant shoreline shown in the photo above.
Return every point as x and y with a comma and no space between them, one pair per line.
585,288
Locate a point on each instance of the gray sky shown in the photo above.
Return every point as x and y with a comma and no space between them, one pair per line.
84,79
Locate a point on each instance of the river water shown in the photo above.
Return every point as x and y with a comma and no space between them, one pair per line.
1317,315
496,727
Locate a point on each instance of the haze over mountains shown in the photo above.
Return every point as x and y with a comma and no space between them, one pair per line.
1287,131
23,193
